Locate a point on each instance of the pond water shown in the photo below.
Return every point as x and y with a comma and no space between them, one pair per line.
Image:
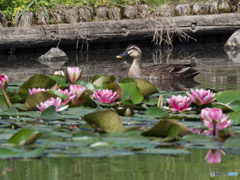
217,72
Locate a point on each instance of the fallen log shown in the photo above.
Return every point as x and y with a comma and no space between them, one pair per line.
112,31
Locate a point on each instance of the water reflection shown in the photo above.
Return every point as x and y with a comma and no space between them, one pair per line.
217,71
214,156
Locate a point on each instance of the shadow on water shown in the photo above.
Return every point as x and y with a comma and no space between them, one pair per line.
217,70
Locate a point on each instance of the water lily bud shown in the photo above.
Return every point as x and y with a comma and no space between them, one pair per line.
73,74
3,81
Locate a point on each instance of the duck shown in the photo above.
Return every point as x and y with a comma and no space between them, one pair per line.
157,71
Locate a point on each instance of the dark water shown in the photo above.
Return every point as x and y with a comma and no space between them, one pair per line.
217,72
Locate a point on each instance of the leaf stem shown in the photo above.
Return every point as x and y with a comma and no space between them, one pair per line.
6,98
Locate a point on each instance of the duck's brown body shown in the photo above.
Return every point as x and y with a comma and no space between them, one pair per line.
159,71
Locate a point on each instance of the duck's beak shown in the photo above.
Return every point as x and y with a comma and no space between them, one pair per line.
124,54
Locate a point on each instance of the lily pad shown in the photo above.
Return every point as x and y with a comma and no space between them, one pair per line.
232,143
131,91
25,137
99,81
35,99
86,136
87,85
235,116
50,113
228,96
146,88
163,151
104,121
61,80
163,129
196,138
37,81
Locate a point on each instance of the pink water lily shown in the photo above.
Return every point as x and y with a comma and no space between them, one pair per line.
105,96
214,156
34,90
59,73
3,81
76,90
200,96
215,120
73,74
179,103
56,102
69,94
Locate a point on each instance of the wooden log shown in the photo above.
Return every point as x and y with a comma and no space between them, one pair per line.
112,31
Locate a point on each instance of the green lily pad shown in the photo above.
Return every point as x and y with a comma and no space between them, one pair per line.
86,136
196,138
99,81
87,85
50,113
37,81
164,128
60,94
228,96
61,80
35,99
232,143
131,91
235,116
234,105
126,80
156,112
104,121
25,137
146,88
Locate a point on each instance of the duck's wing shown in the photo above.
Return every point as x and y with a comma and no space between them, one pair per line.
169,71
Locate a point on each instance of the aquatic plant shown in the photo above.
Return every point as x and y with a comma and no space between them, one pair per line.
69,93
73,74
52,101
3,81
105,96
76,90
36,90
179,103
201,96
214,119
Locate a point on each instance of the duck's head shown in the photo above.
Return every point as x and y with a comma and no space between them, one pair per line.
133,51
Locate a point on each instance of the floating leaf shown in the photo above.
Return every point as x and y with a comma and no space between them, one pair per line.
235,116
196,138
37,81
126,80
87,85
157,112
35,99
62,80
234,105
162,129
232,143
50,113
174,130
130,90
104,121
86,136
99,82
95,78
146,88
228,96
60,94
31,154
25,137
